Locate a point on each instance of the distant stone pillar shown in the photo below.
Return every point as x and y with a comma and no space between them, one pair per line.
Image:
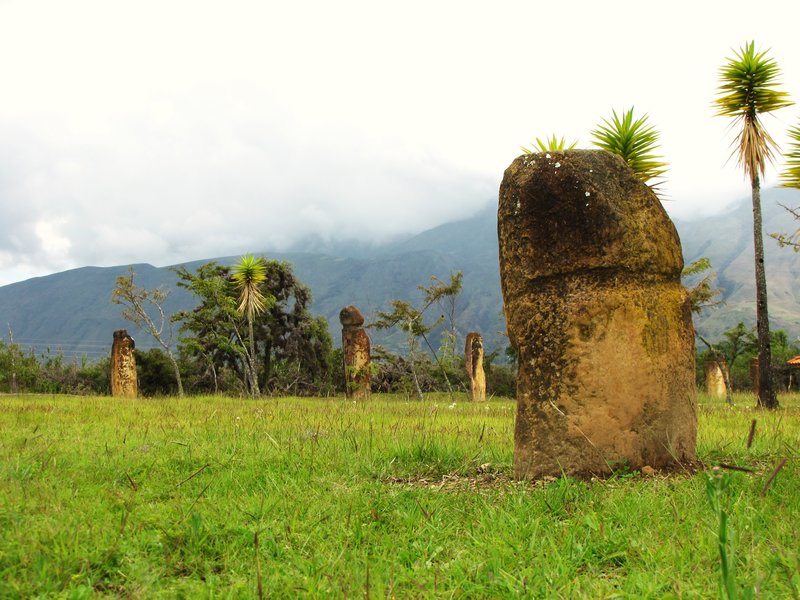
124,381
715,380
754,373
590,267
356,351
473,358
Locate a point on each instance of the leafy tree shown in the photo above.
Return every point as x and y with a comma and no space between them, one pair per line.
248,275
12,352
698,279
747,90
154,371
18,371
635,141
790,178
408,319
212,328
737,343
49,373
135,300
292,349
411,320
551,144
96,377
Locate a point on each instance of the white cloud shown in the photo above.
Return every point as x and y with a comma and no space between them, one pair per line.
52,241
168,131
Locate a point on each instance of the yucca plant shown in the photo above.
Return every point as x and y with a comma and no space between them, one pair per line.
636,141
747,90
790,176
248,275
551,144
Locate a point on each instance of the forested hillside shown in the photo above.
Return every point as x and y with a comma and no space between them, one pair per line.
72,311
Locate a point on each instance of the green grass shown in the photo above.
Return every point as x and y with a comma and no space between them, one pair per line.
386,498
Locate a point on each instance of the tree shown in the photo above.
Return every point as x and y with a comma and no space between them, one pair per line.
699,282
411,320
248,275
135,299
698,279
12,361
153,369
747,90
635,141
292,348
212,327
790,178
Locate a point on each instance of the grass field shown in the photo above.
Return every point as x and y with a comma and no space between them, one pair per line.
217,497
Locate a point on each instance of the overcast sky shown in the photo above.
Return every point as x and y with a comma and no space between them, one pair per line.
167,131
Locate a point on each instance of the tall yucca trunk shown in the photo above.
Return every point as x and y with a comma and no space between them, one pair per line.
765,391
252,359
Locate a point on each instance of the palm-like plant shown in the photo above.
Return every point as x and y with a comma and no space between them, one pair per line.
247,277
747,90
551,144
635,141
790,176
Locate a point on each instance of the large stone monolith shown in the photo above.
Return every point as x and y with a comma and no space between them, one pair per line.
356,352
590,268
715,380
473,359
124,381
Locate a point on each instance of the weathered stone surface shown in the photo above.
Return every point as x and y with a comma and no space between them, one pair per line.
754,373
715,380
473,359
590,268
356,352
124,381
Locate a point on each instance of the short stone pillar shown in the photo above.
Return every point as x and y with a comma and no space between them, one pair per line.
473,359
715,379
356,353
590,268
754,373
124,381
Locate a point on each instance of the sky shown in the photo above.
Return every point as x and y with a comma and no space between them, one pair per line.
167,131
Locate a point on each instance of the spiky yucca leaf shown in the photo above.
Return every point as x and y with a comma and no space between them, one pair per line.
747,89
551,144
247,276
790,176
635,141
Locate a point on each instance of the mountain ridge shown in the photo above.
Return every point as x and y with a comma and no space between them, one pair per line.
72,310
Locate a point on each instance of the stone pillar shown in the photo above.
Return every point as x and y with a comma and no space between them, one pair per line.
590,268
356,352
124,382
754,373
473,358
715,381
